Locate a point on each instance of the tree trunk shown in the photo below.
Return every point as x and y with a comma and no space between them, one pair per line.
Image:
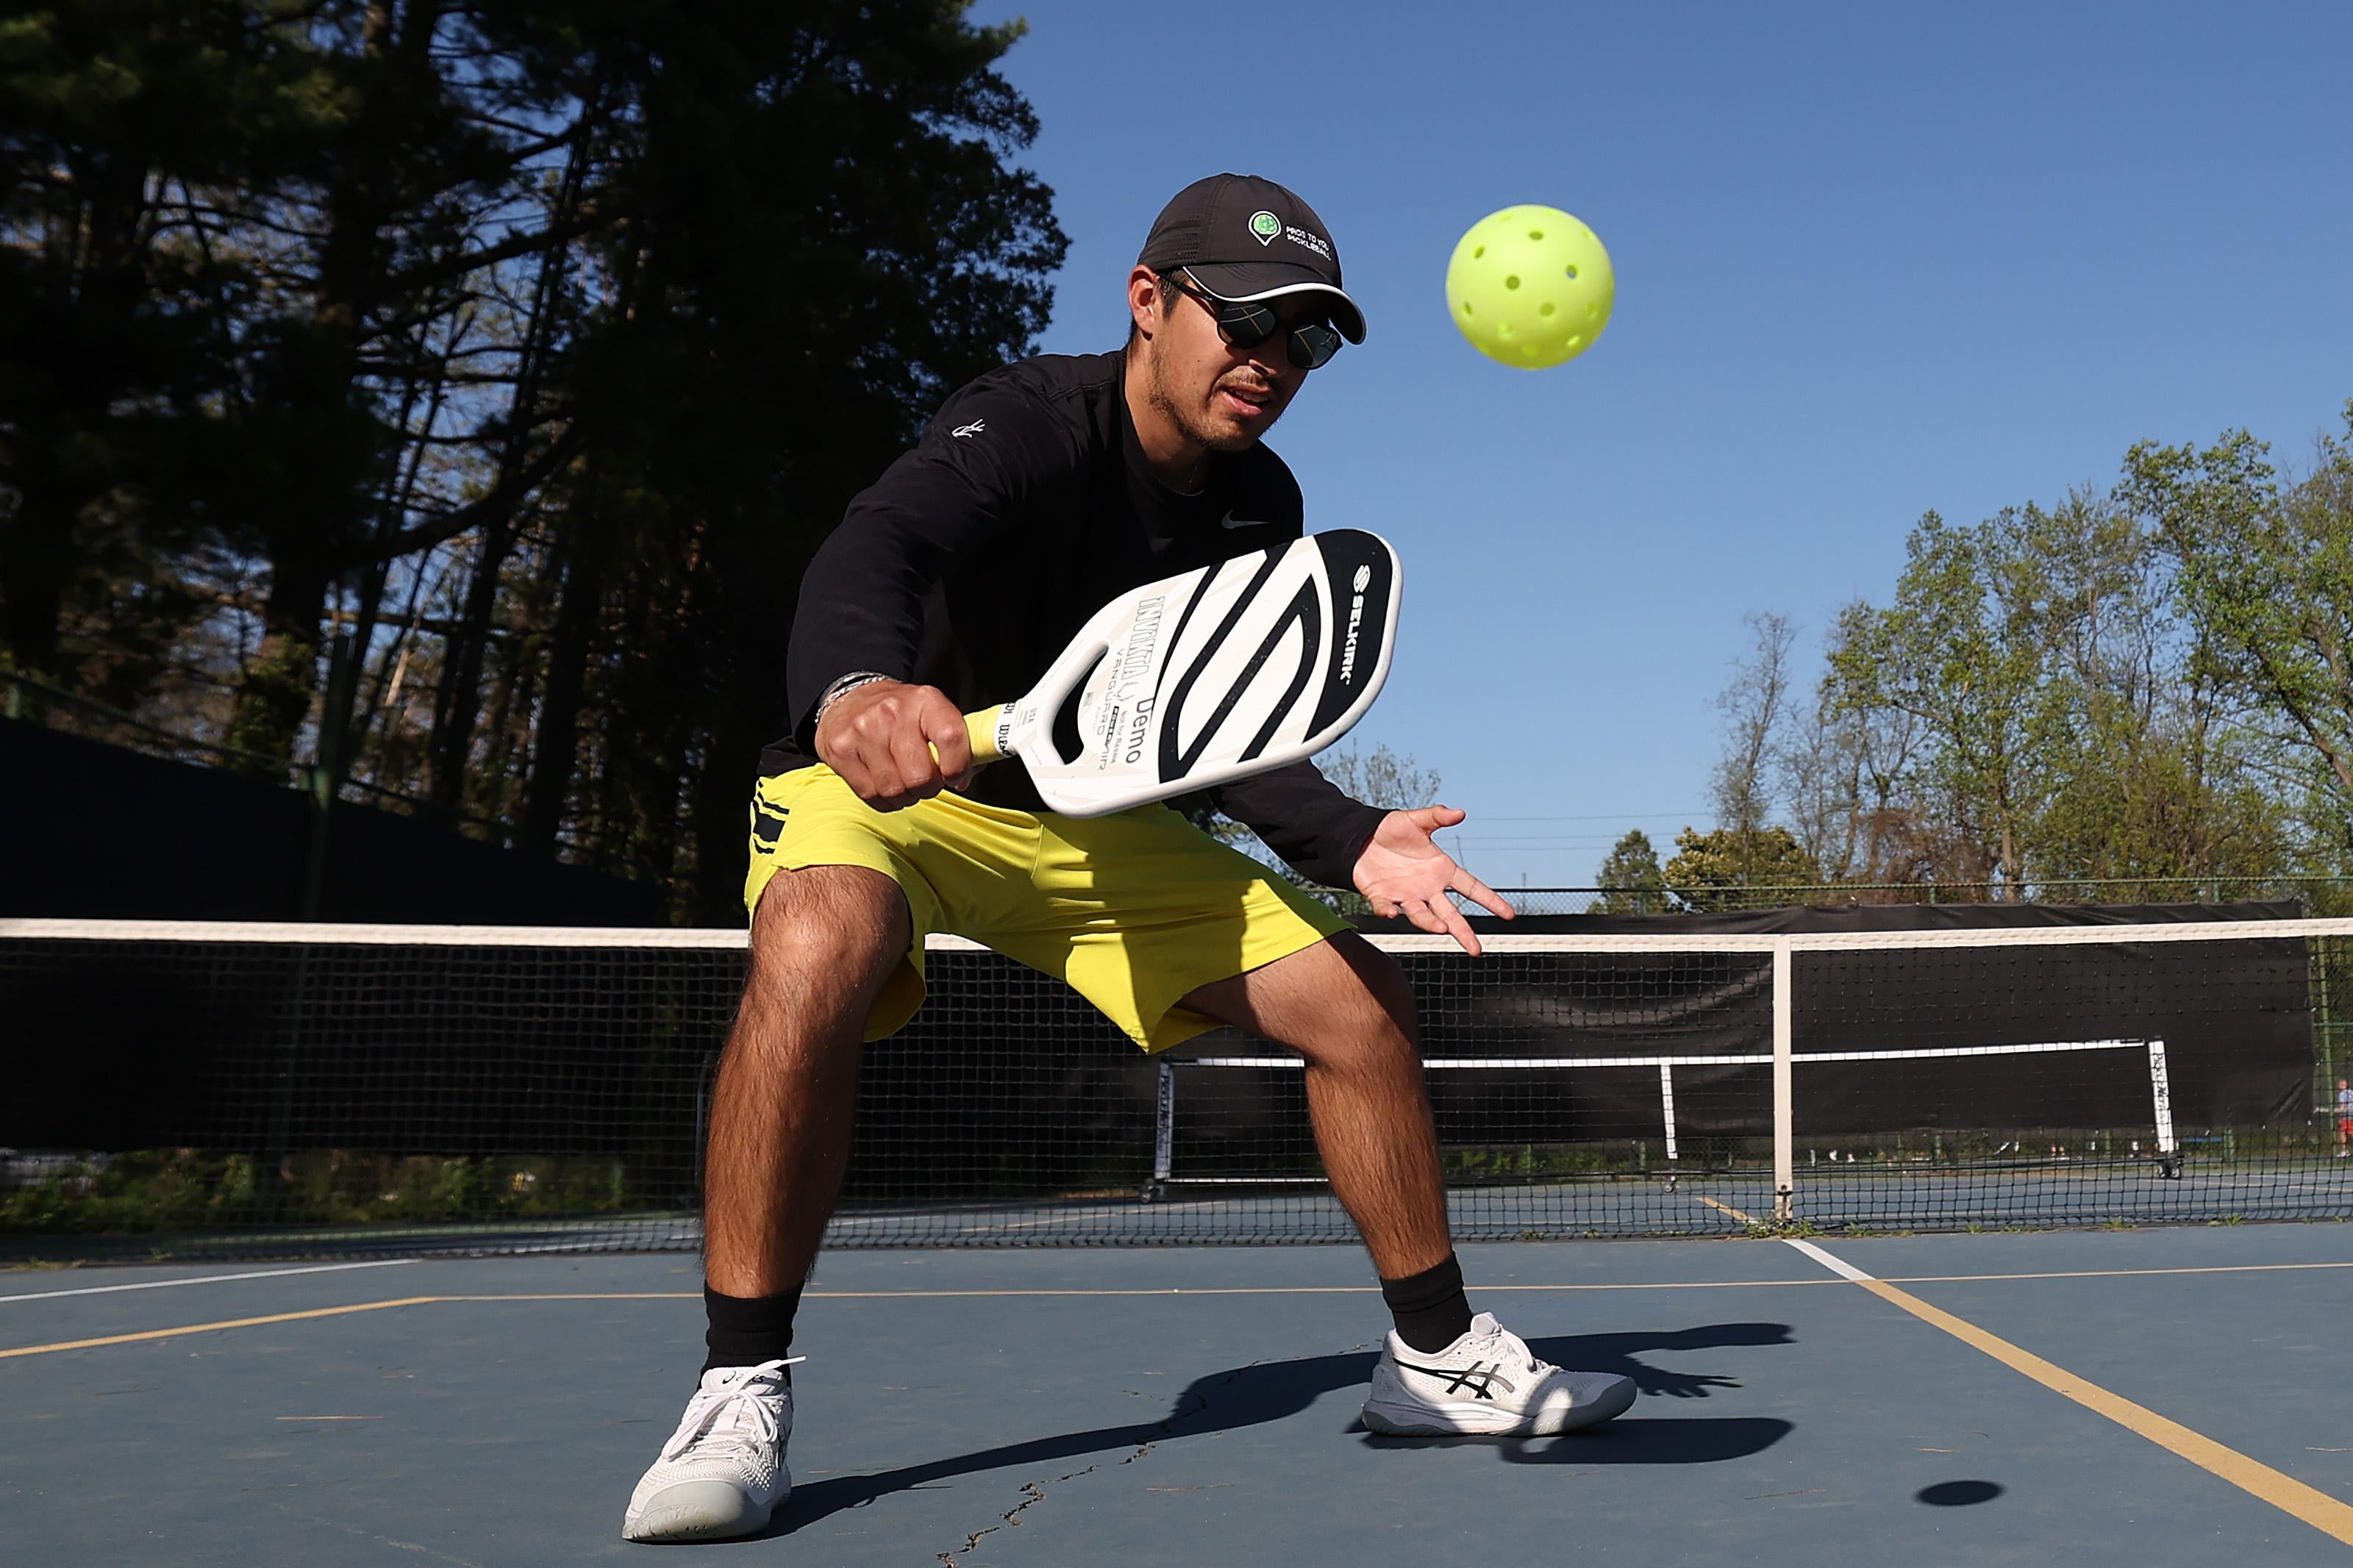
718,848
281,681
554,758
36,553
457,707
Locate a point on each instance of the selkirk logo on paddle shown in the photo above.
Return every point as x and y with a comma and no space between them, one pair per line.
1355,622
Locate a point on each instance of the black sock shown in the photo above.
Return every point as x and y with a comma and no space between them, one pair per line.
748,1330
1431,1310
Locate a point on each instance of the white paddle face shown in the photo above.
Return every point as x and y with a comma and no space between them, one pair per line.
1214,675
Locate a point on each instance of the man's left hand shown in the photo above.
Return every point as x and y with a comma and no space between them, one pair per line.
1403,871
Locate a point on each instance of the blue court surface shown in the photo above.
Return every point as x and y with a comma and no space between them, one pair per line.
2133,1397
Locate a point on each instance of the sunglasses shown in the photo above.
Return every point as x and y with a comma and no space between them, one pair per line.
1246,324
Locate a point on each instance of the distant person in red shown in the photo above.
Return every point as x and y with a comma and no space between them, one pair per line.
2343,1118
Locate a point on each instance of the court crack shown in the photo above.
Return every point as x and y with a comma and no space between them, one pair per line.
1193,1402
1035,1493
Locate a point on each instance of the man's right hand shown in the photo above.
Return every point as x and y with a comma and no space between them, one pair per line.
894,744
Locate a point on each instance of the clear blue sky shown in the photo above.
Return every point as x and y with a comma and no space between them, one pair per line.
1870,261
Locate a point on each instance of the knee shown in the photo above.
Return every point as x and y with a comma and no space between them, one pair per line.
843,923
1376,1013
1385,984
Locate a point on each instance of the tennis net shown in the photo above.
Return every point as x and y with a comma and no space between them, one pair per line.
192,1089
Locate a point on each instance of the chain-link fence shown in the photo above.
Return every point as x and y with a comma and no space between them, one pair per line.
2318,895
2332,1015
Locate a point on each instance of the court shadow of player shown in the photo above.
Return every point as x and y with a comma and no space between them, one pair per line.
1621,1352
1273,1391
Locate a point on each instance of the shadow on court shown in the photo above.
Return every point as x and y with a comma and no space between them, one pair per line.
1273,1391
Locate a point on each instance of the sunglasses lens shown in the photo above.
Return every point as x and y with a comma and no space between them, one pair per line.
1246,326
1312,347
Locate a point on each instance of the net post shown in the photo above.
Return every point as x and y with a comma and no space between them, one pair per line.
1163,1133
1785,1161
1667,1111
2160,1095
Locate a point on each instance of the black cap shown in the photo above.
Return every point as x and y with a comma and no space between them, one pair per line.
1246,239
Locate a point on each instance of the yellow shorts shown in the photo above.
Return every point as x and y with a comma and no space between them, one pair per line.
1133,911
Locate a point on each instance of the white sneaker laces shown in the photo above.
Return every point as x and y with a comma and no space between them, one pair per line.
1503,1340
736,1418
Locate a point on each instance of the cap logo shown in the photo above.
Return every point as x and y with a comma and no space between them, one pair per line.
1265,225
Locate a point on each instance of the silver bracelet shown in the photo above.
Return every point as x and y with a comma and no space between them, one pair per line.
843,687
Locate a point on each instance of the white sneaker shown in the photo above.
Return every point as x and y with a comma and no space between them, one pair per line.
1488,1384
722,1472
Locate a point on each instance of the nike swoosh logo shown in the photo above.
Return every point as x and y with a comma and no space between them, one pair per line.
1231,521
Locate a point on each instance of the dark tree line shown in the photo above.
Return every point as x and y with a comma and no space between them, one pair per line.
442,396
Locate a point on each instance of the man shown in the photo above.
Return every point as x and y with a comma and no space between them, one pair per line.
1040,491
2343,1118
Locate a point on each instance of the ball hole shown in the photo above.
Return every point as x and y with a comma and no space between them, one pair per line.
1478,251
1535,233
1574,342
1512,282
1544,309
1503,329
1572,270
1466,309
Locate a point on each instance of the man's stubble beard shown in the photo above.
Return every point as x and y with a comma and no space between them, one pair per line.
1191,421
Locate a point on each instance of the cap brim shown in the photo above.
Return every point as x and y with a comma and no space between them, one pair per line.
1248,282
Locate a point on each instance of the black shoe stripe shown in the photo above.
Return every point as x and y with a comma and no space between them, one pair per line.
1481,1380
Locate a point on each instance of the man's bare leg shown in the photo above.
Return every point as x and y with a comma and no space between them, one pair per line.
823,941
1344,1007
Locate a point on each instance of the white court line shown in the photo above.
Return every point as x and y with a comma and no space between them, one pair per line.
210,1280
1836,1265
2330,1515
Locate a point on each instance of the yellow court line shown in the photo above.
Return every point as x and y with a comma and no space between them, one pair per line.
2315,1508
2115,1273
1290,1290
821,1295
1164,1291
1160,1291
1726,1208
226,1323
578,1296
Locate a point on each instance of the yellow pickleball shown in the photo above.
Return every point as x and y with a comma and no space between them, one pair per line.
1530,287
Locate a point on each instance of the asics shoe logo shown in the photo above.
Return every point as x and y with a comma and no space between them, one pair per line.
1481,1381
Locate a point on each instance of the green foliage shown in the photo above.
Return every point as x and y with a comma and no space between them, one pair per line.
2267,574
528,350
1960,651
2037,705
1705,864
1630,879
126,316
177,1189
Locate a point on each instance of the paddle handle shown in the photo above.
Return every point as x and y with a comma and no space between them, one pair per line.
990,731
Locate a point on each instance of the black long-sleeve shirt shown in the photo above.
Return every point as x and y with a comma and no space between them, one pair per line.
977,556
